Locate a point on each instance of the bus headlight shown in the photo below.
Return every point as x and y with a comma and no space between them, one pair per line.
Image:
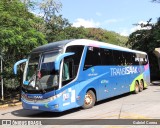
55,97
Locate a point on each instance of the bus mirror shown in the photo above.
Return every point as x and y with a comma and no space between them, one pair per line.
17,63
60,57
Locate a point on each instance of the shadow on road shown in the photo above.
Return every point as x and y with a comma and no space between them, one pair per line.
113,98
155,83
41,114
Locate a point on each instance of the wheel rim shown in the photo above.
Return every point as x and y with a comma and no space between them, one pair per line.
137,87
141,85
88,99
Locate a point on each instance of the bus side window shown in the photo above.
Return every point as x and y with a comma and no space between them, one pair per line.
71,64
127,58
143,59
135,58
67,71
92,58
106,56
118,58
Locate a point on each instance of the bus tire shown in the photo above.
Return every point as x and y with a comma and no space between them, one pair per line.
141,85
89,100
136,87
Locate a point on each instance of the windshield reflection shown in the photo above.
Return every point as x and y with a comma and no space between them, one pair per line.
41,74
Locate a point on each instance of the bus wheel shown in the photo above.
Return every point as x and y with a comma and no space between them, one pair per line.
136,87
89,100
141,86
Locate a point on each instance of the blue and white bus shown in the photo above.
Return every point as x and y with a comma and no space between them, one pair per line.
67,74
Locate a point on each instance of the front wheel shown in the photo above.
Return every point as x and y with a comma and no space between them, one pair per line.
89,100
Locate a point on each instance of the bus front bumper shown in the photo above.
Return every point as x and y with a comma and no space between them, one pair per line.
50,106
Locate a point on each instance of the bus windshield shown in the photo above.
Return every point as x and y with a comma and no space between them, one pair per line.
40,72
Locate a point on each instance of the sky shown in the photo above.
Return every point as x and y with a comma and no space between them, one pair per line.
112,15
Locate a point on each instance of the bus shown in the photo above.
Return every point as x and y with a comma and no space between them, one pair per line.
77,73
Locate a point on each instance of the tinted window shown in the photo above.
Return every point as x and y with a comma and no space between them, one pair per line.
106,57
141,59
145,60
78,52
135,59
71,64
127,58
92,57
101,56
118,57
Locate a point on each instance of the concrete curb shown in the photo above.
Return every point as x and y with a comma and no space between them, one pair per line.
10,105
156,83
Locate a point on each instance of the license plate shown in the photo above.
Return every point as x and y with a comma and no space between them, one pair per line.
35,107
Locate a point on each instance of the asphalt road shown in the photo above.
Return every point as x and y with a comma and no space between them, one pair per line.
145,105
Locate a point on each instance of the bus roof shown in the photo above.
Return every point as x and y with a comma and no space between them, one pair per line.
51,46
99,44
85,42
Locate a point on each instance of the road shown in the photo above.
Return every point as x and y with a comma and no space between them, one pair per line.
144,105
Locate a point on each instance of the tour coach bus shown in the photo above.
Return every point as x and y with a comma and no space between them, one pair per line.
67,74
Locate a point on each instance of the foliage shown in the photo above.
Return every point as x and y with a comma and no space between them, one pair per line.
54,28
17,33
88,33
45,8
106,36
49,8
158,1
147,41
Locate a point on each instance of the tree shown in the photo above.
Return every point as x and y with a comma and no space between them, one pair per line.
49,8
53,24
17,33
94,34
54,29
44,8
158,1
147,41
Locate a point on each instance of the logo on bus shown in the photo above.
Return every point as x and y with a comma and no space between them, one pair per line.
123,71
35,97
92,72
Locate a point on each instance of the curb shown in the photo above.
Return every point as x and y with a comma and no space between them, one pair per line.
156,83
10,105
